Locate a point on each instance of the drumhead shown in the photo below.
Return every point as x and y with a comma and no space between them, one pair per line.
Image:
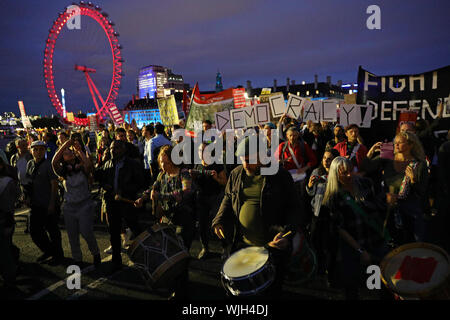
404,261
245,262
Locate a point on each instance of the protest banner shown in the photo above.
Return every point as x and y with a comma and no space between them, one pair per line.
168,110
204,106
186,102
407,117
311,111
70,116
361,115
239,98
25,120
22,109
266,91
223,120
350,98
277,104
115,114
250,116
392,94
328,111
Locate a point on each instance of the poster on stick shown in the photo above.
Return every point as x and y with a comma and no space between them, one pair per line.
311,111
223,120
294,106
277,105
168,111
205,106
248,117
328,111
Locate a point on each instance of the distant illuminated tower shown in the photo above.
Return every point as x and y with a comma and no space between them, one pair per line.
63,103
219,86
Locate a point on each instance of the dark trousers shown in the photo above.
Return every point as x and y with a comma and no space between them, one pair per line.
185,220
44,231
116,212
8,263
206,207
350,274
305,210
147,177
320,241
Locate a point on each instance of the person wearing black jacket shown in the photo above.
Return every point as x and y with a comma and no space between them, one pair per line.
132,150
257,210
121,177
42,194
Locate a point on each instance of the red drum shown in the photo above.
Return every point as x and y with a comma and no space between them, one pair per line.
303,264
417,271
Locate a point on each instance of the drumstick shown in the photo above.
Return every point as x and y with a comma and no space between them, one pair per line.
286,234
119,198
221,233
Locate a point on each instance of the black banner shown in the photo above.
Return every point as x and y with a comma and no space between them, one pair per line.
391,94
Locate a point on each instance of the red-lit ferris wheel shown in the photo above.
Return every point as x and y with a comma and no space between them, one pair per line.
106,103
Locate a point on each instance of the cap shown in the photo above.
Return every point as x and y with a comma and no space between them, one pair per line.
271,125
243,148
38,143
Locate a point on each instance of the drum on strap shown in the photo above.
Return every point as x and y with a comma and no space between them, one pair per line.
417,271
159,254
303,262
248,271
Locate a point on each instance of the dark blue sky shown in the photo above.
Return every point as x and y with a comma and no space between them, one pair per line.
257,40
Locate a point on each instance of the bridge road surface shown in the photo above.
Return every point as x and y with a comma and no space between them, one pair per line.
44,282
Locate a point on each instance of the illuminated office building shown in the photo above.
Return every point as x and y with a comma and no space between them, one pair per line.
158,82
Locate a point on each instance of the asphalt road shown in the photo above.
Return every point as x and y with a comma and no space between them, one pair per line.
44,282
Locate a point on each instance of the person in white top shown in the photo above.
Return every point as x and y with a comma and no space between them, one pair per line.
71,163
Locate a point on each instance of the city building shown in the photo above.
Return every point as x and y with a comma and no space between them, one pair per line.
315,90
158,82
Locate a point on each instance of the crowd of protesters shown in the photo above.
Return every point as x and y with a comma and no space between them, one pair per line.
351,202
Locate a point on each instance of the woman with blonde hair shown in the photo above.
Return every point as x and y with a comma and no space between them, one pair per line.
405,180
357,237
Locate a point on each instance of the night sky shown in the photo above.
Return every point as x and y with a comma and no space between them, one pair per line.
253,40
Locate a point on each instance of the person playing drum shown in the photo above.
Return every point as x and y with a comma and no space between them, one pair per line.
172,195
257,210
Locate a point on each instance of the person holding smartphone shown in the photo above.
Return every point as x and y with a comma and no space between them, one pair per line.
405,179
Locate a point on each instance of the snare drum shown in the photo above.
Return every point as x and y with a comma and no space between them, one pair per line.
417,271
248,271
160,255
